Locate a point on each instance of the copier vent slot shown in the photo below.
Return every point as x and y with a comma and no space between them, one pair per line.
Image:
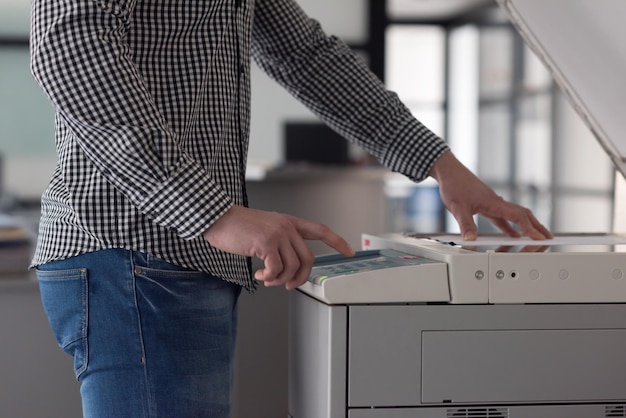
615,411
478,413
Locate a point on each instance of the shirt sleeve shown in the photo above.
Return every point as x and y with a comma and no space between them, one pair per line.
81,59
330,79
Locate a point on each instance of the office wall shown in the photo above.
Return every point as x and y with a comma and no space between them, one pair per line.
619,220
14,17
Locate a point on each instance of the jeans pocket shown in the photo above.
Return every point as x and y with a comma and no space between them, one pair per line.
64,295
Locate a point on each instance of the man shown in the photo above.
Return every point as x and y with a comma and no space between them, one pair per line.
145,237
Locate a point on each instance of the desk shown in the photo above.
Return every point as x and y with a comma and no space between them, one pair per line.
36,378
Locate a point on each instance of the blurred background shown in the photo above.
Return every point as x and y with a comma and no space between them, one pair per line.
459,66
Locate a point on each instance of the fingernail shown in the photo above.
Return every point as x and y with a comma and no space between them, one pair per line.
469,236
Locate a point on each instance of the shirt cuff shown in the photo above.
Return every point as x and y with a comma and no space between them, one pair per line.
413,150
189,201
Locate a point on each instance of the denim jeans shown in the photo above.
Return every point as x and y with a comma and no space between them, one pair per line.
148,338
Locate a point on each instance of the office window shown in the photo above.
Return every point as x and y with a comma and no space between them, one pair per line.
415,71
495,63
501,112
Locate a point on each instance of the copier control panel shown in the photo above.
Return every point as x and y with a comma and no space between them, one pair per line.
377,276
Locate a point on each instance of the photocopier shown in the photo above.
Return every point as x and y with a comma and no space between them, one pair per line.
431,326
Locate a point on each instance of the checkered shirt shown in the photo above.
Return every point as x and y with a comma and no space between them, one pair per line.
152,102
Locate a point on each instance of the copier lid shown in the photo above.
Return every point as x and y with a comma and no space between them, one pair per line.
582,42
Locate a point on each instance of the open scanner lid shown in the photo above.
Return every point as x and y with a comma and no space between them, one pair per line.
583,44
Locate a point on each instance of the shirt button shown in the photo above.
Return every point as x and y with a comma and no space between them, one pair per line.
242,69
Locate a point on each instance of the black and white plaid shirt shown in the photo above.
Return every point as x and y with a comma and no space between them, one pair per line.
152,103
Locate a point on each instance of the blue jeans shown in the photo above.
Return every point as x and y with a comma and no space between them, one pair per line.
149,339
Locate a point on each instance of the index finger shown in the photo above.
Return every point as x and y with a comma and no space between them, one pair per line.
315,231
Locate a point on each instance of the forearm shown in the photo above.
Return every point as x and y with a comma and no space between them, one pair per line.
324,74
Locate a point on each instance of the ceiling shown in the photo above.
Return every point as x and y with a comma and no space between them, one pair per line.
432,9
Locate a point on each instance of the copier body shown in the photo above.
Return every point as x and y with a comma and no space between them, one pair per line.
443,359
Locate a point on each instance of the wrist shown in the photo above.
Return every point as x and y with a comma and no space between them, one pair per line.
217,222
446,162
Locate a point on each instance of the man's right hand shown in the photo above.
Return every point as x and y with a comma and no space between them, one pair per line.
275,238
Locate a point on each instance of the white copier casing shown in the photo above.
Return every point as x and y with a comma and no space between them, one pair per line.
530,332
